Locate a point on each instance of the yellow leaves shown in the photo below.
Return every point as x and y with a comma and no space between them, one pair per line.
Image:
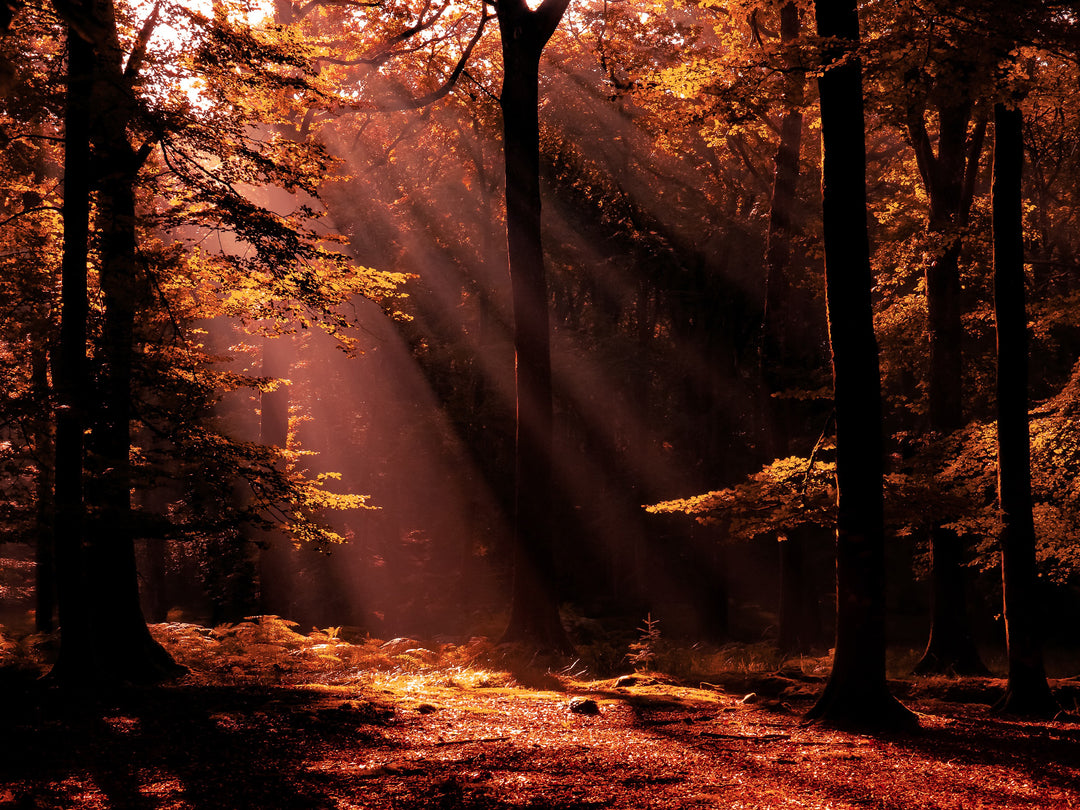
783,495
685,81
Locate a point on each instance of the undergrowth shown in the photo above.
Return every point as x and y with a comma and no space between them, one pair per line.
270,650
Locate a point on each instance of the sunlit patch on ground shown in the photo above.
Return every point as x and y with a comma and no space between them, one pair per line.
272,718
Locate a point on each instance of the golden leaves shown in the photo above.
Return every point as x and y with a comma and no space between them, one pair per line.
783,495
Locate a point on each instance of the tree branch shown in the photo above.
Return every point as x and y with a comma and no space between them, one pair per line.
448,85
27,211
138,51
310,6
924,150
971,170
547,17
387,46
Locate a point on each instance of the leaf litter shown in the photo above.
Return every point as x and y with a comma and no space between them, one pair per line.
272,718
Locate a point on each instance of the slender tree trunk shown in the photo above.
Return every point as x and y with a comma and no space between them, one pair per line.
534,614
777,350
947,179
779,336
45,451
70,377
42,350
1028,692
856,694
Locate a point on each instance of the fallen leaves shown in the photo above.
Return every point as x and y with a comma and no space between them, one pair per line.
267,721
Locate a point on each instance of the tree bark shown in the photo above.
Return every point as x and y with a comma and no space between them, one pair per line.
856,695
534,614
45,452
778,352
129,651
943,178
1028,692
70,377
121,647
948,180
950,648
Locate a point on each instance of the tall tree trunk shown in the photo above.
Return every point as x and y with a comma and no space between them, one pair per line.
45,452
42,349
534,614
856,694
131,653
1028,692
950,647
70,377
779,336
943,177
122,648
777,350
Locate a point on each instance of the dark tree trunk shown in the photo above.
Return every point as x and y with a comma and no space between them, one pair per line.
856,694
70,377
1028,692
950,648
946,177
943,177
778,354
45,452
534,614
799,613
122,648
130,653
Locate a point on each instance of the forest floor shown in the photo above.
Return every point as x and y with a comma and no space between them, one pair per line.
270,718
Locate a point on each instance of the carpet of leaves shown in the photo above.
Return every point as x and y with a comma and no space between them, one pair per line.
270,718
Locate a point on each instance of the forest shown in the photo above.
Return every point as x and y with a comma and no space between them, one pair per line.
539,403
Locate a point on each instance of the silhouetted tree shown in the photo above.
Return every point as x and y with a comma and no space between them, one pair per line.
856,694
949,179
127,648
779,339
111,641
534,614
70,366
783,349
1028,692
